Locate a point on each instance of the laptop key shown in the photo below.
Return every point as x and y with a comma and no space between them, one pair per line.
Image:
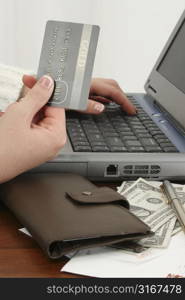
114,141
134,123
95,137
79,139
90,127
123,129
129,138
144,135
92,131
148,142
144,118
118,149
110,134
74,121
82,149
136,149
119,123
72,126
160,136
134,127
96,143
152,127
156,133
128,118
74,129
139,110
87,123
170,150
168,144
116,117
100,149
105,126
81,143
105,129
137,131
154,149
163,140
126,133
76,134
148,124
85,117
142,114
135,143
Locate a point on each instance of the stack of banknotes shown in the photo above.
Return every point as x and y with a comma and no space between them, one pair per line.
149,203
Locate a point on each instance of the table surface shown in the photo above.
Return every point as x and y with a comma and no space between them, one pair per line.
20,256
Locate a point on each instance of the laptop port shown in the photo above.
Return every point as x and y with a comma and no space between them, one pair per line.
112,170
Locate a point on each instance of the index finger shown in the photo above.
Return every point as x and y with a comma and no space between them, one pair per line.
56,114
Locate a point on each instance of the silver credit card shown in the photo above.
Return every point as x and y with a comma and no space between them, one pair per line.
67,55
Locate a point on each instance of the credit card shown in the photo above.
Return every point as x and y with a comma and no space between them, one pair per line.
67,55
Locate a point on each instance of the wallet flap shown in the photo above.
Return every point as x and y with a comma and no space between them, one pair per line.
98,196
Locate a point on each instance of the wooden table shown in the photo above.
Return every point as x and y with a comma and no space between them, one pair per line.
20,256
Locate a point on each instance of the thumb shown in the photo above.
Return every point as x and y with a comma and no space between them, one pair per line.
38,96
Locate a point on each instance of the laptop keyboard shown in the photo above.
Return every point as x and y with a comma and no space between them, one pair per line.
115,131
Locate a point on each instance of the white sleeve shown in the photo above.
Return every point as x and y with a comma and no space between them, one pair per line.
10,84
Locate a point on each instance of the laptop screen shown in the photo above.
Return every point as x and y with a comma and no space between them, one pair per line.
172,66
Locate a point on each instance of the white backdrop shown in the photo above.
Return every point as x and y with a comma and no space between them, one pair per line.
133,33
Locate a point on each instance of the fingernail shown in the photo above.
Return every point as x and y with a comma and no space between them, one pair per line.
99,107
134,111
46,82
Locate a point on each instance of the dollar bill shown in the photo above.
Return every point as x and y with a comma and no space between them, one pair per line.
148,202
177,228
162,236
144,198
165,214
125,185
160,217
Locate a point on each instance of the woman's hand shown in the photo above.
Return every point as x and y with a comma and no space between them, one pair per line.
106,90
101,91
30,132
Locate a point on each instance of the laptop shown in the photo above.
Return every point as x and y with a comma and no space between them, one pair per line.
114,146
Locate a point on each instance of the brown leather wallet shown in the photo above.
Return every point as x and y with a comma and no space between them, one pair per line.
66,212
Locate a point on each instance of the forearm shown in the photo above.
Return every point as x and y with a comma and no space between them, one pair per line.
10,84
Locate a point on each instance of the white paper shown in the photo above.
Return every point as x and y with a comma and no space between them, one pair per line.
105,262
25,231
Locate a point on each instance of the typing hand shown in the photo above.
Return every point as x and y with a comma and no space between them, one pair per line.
106,90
